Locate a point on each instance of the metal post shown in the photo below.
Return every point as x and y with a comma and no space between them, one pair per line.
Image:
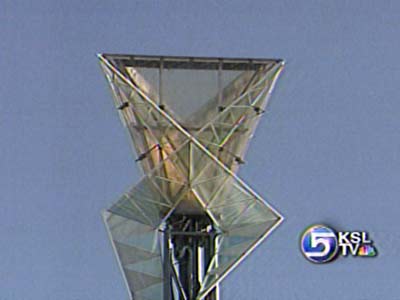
160,82
219,82
167,264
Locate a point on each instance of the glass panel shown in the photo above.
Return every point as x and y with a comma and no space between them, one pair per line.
143,203
147,79
233,247
208,178
256,212
126,207
138,250
148,267
185,91
153,292
139,281
131,255
232,84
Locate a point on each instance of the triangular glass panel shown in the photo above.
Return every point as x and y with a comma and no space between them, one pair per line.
234,246
153,292
138,281
189,205
207,177
131,255
121,227
143,203
150,267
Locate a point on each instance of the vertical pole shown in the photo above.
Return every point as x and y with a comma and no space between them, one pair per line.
219,83
167,263
160,82
215,291
210,251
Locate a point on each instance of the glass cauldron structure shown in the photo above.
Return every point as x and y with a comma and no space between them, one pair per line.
190,220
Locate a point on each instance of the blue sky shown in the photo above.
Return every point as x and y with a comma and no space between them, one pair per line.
327,150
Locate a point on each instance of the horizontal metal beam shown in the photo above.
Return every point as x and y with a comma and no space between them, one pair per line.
226,127
196,63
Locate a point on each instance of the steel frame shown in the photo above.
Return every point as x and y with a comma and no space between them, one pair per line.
180,282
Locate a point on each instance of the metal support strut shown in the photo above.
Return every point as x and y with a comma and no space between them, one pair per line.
189,245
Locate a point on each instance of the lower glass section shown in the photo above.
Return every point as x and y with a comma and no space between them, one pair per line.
169,263
187,255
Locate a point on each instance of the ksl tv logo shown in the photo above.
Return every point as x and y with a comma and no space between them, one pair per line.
322,244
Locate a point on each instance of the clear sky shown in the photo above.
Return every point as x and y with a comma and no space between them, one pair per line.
327,150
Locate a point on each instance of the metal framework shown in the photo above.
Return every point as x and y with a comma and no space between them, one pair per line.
190,220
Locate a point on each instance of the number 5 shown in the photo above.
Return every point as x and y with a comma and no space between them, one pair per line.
321,238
